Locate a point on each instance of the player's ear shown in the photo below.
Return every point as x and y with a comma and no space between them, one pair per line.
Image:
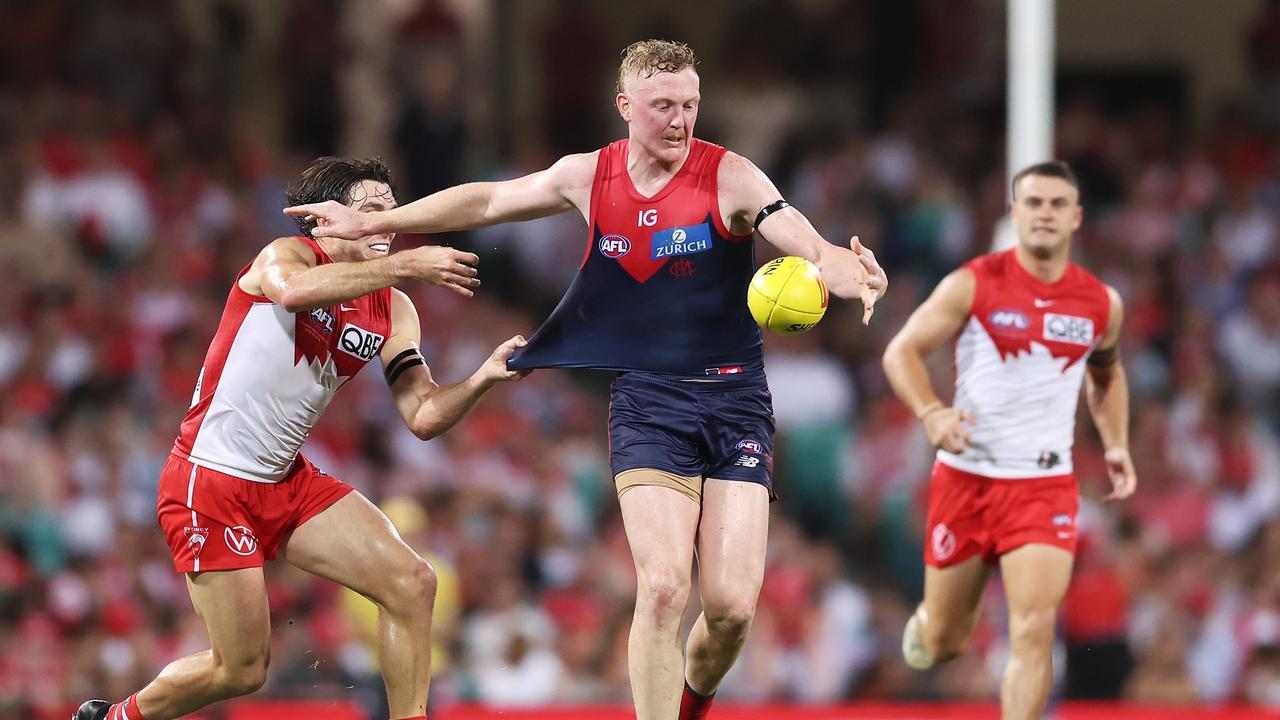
623,104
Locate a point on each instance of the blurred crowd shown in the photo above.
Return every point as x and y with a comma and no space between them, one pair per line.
144,151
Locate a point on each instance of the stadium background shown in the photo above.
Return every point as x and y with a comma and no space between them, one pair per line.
144,147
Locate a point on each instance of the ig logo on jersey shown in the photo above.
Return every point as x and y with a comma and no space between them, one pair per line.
614,246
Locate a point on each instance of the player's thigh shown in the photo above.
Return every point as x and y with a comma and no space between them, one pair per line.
354,544
1036,577
952,594
732,538
661,524
233,606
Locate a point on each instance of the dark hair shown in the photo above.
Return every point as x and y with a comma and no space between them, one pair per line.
1053,168
331,178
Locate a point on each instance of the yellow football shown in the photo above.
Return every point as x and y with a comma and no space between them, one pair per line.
787,295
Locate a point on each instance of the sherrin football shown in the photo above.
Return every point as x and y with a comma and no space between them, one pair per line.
787,295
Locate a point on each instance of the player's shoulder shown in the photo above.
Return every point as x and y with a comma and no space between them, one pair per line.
575,169
958,286
992,264
290,246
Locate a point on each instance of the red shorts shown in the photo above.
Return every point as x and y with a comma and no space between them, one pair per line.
215,521
972,514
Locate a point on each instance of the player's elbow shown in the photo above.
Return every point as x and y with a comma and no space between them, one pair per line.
426,432
893,353
427,426
291,299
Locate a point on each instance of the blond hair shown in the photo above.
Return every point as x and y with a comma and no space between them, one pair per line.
647,58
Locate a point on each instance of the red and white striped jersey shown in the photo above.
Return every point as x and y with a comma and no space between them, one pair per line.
1019,366
270,374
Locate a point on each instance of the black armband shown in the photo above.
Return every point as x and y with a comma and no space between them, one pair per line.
1104,357
768,210
405,360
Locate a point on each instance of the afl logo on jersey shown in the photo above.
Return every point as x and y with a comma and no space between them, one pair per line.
614,246
1008,320
360,342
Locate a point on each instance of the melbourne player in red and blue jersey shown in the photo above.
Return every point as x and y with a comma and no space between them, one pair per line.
661,299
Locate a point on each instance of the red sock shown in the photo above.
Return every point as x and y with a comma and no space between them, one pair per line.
694,706
127,710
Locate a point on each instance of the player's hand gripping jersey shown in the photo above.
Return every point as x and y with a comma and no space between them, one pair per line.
1019,365
662,287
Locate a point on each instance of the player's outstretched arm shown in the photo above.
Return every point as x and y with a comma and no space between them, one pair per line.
559,188
430,409
938,318
286,272
1107,392
850,272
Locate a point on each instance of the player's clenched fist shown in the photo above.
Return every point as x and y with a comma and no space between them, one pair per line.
441,265
495,368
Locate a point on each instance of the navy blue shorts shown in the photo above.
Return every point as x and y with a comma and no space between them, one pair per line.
721,429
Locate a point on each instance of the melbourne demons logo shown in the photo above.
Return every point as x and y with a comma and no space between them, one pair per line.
614,246
240,540
682,268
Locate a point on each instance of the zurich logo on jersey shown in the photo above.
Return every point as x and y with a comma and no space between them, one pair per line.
681,241
1009,320
614,246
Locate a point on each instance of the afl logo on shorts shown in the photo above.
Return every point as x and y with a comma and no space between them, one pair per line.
360,342
614,246
240,540
944,542
750,446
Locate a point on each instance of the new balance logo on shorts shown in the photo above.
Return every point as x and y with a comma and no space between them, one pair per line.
747,461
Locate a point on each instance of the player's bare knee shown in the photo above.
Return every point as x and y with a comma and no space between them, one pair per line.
411,588
730,621
244,675
663,595
1032,630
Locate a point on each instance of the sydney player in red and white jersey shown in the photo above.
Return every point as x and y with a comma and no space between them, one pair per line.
301,319
670,220
1030,327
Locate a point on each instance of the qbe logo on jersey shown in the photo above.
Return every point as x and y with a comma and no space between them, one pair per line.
681,241
1068,329
359,342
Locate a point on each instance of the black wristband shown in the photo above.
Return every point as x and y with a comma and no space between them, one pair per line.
768,210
